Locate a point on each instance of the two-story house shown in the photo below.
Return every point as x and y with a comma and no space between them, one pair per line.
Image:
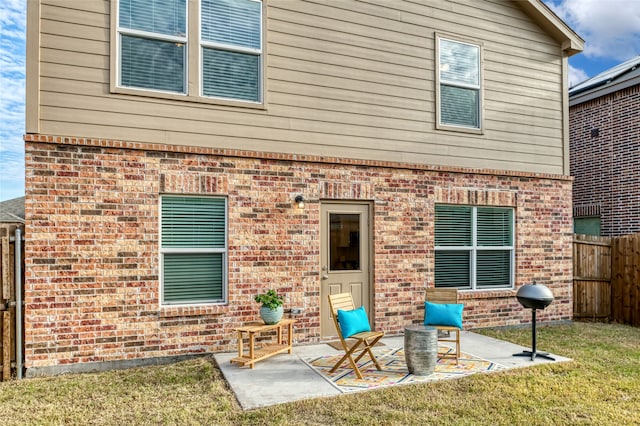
170,143
604,117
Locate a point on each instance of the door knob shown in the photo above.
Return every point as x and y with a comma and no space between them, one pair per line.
324,276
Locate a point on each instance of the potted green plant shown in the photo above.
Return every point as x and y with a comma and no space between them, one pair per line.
271,310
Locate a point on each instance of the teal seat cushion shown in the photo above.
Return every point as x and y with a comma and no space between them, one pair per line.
353,322
443,314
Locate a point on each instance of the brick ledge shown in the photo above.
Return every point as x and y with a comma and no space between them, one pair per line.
107,143
190,311
486,294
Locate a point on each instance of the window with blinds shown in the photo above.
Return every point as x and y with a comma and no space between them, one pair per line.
474,247
459,80
231,48
193,249
155,50
153,44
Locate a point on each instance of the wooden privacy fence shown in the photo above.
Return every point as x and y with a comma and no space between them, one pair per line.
591,277
606,278
625,279
8,299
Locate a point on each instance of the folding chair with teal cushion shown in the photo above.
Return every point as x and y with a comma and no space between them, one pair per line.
353,324
442,310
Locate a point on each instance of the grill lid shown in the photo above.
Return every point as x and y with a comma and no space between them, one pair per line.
534,296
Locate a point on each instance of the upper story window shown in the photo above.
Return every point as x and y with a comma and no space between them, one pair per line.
153,44
160,51
231,48
459,85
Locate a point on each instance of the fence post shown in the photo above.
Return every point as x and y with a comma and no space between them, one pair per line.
6,268
5,302
6,345
634,286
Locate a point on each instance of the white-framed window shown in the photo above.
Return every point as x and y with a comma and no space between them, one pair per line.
474,247
153,44
200,50
193,249
231,40
459,84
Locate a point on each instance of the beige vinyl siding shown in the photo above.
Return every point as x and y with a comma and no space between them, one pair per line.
354,79
32,82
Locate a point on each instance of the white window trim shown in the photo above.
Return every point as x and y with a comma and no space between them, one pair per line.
474,248
120,31
193,61
231,48
480,87
224,251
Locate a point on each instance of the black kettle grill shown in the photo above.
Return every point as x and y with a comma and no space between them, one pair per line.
534,296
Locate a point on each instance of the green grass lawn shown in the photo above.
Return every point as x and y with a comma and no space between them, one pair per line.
600,387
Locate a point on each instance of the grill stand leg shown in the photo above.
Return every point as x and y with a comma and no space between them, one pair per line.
533,353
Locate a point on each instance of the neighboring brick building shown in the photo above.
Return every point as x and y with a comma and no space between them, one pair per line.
428,139
604,118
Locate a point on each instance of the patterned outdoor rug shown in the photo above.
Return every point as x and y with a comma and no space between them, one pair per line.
394,369
338,346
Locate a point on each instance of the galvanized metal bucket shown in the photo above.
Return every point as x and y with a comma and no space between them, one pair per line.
421,349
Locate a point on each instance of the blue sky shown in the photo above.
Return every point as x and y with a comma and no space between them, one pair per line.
12,47
611,29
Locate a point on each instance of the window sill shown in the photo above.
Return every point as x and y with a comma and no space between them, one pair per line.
486,294
450,128
187,98
193,310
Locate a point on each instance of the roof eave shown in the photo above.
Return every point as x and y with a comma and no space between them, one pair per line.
570,42
600,90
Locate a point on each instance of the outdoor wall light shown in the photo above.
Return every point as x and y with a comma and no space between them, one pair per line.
299,201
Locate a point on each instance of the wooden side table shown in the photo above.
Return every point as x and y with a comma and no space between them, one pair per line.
254,355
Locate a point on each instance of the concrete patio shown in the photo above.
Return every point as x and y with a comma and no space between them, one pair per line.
289,378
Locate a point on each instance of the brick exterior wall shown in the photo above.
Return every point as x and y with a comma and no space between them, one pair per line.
92,249
605,160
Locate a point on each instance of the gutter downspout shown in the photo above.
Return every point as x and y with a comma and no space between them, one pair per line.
18,278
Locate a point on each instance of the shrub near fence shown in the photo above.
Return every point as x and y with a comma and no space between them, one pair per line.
606,278
7,300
